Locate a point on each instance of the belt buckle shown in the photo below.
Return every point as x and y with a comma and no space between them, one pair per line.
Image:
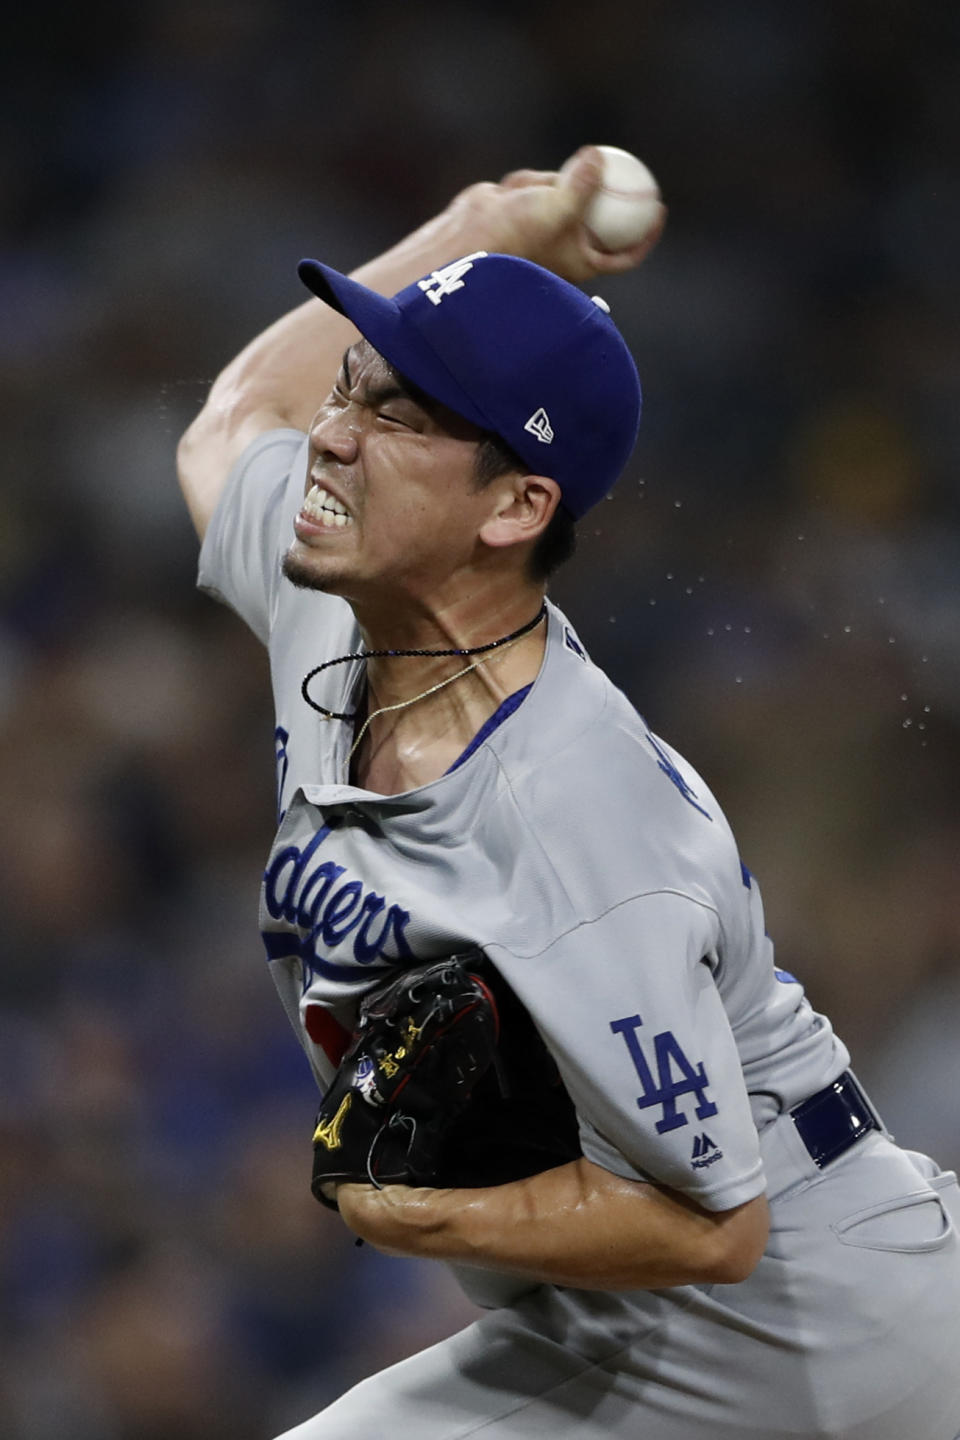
833,1119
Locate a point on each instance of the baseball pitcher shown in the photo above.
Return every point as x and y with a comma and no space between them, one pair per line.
509,924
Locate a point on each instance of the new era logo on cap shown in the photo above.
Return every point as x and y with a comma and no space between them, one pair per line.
539,425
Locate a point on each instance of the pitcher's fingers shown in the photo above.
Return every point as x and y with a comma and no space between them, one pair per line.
580,176
516,178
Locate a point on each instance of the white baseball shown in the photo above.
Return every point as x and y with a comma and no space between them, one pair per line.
627,205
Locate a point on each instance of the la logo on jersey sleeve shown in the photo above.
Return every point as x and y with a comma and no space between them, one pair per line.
675,1076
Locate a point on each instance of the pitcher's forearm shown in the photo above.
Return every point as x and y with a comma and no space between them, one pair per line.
577,1225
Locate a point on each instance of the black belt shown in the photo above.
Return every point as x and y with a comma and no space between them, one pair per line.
835,1118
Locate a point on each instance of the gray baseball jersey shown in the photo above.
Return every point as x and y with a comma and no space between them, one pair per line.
579,851
576,848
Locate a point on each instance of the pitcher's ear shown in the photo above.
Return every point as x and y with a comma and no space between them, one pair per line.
524,506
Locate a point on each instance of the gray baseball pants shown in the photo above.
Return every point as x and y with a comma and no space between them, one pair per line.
849,1329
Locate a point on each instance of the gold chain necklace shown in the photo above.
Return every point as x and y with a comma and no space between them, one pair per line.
505,644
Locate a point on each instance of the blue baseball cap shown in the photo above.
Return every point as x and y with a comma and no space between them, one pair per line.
517,351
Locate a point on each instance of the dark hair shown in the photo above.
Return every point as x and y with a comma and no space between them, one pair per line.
558,541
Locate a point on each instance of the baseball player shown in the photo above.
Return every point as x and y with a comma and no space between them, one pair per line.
383,486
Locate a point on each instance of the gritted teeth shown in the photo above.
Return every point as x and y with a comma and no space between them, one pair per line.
320,505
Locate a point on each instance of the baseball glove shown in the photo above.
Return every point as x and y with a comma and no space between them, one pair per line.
445,1082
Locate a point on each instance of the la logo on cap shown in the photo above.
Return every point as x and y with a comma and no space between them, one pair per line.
450,278
539,425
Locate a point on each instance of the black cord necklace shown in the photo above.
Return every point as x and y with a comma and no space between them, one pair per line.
390,654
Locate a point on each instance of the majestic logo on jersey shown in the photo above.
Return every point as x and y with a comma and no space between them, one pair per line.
327,907
446,281
675,1075
705,1152
539,425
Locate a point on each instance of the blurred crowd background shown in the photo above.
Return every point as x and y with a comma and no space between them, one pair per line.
774,585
